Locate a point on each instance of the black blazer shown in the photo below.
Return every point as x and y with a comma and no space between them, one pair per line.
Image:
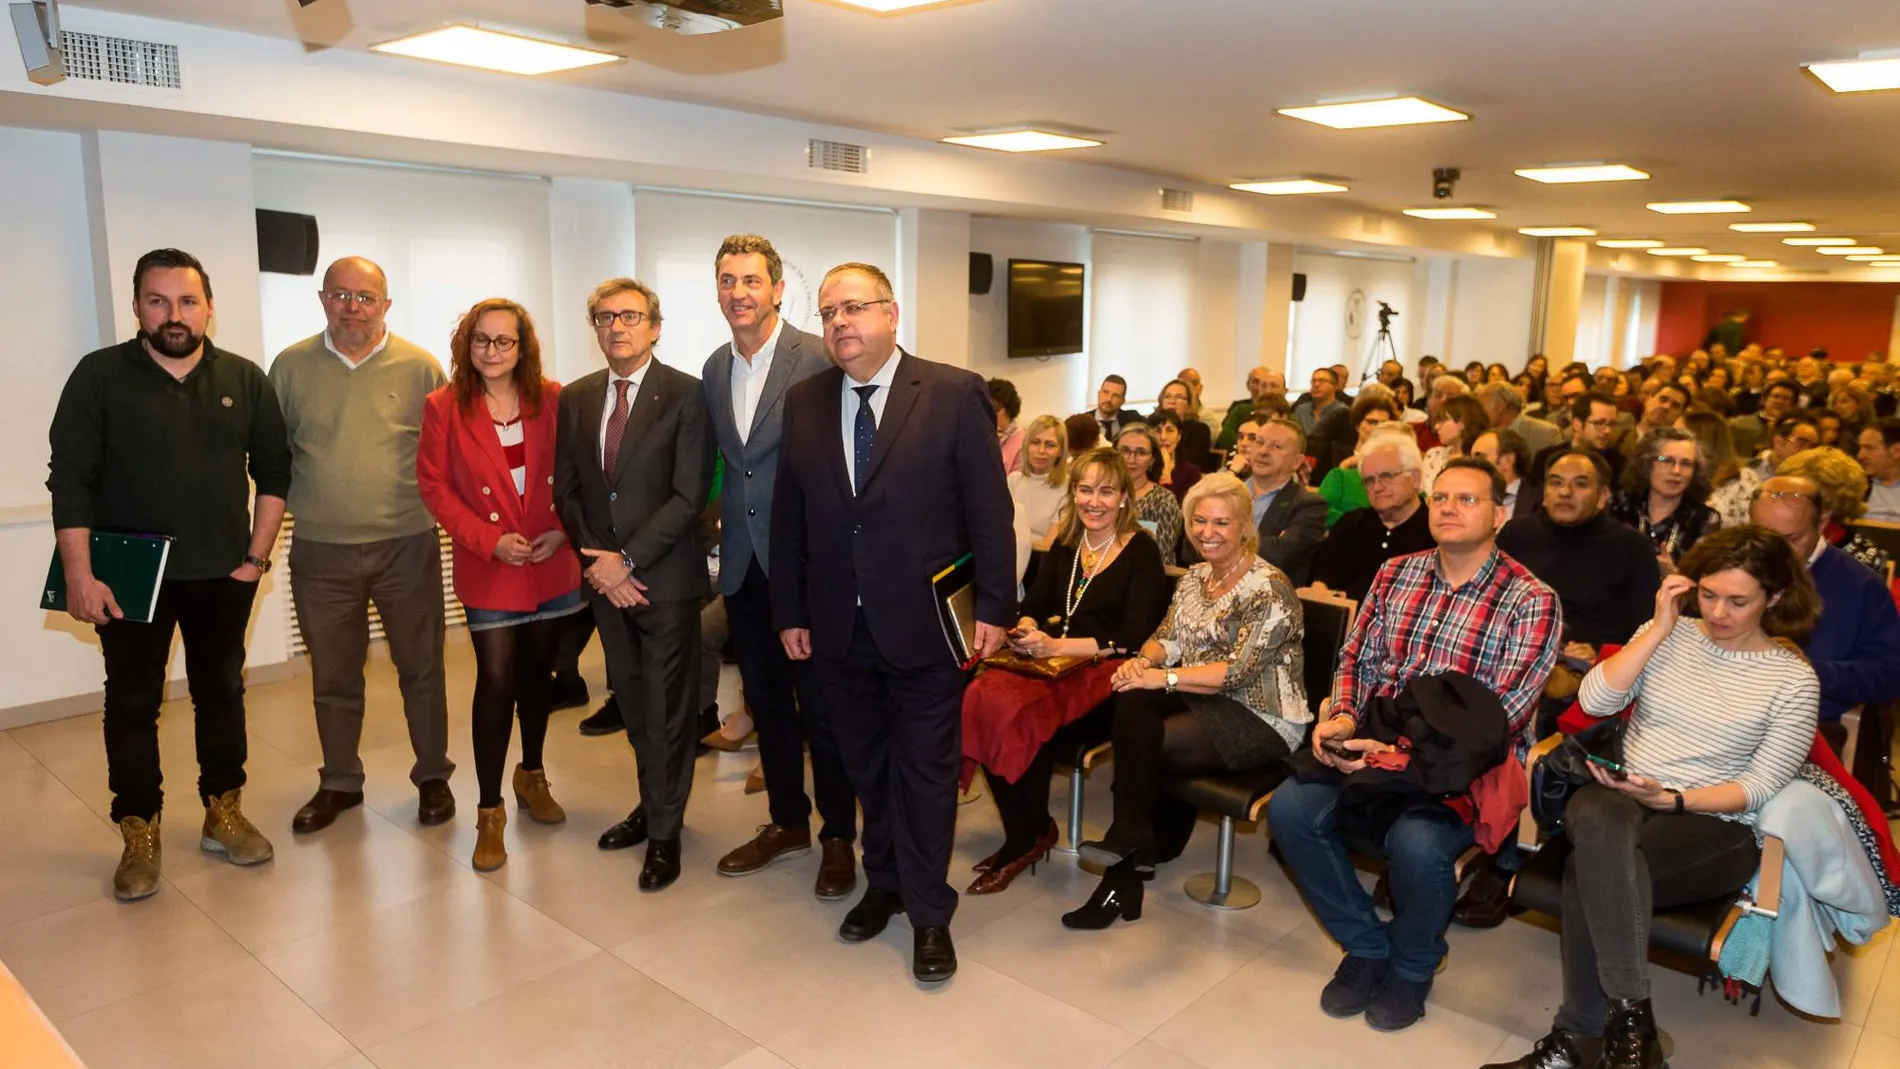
664,474
934,493
1291,530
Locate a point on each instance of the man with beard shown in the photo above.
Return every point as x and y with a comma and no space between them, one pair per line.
165,434
352,399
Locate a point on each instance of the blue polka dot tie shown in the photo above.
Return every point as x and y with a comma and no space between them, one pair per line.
863,437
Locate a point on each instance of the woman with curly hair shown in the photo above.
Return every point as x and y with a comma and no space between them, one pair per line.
1843,485
1854,403
1665,494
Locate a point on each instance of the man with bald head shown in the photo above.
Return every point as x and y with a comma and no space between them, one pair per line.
1262,383
352,399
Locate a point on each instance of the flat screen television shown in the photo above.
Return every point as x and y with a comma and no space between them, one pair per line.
1045,308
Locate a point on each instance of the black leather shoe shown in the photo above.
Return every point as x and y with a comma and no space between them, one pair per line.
605,720
435,802
321,810
662,865
871,914
1485,903
1630,1039
1558,1050
567,690
933,957
629,832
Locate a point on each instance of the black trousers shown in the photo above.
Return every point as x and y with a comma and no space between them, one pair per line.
652,665
788,709
900,732
1158,735
211,614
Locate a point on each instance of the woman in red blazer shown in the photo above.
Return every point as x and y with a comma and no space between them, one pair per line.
486,470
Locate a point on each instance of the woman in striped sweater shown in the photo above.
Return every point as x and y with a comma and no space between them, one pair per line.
1724,715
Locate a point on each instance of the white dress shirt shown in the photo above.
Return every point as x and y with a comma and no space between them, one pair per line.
882,380
748,380
381,344
607,409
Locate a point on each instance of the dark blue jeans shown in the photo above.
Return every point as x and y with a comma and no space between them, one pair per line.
1421,853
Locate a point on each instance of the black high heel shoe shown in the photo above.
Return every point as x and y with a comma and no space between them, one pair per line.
1118,895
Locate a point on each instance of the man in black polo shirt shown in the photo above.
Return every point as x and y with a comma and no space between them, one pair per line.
165,434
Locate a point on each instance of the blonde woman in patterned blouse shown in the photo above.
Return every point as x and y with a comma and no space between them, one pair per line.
1219,686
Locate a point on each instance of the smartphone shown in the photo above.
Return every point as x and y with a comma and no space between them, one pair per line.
1338,748
1614,768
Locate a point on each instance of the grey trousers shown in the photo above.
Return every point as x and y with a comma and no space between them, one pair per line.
333,586
653,660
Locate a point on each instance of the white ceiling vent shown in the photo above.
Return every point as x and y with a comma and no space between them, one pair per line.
822,155
121,60
1371,224
1177,200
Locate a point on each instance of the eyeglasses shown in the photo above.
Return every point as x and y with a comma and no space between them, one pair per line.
501,343
1678,463
1136,454
632,317
1465,501
1383,478
1779,495
346,298
1600,424
1802,442
850,309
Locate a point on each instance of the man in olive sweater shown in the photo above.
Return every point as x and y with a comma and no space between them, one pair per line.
352,399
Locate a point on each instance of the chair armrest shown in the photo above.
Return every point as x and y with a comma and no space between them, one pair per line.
1850,722
1768,887
1527,833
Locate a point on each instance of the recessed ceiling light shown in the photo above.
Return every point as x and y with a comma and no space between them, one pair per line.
1630,243
1755,263
472,46
1557,231
1771,228
1889,263
1851,250
1583,172
1687,250
1817,242
1697,207
1873,256
1858,75
885,7
1022,141
1286,187
1360,114
1719,258
1451,213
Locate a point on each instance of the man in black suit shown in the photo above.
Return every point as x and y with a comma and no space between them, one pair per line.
1291,517
888,474
1108,413
633,464
745,383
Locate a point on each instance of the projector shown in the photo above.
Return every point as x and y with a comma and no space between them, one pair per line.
698,16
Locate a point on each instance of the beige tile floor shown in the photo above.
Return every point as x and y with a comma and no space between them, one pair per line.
375,946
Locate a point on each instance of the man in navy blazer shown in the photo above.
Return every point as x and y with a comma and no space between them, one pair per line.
888,474
745,383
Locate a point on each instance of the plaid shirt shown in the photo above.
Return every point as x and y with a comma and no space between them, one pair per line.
1502,628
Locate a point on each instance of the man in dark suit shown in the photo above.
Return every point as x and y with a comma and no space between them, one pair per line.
745,383
1108,413
633,465
889,474
1291,517
1592,426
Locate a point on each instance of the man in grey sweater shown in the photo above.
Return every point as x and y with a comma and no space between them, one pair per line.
352,399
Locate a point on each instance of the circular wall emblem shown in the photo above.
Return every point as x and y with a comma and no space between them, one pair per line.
1355,314
797,306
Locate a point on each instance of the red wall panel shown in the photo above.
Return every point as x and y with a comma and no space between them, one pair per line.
1848,319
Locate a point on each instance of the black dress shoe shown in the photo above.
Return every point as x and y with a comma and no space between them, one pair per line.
322,809
870,915
435,802
605,720
933,957
1486,903
662,865
1558,1050
567,690
629,832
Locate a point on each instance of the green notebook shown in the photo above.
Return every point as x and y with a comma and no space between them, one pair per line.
132,565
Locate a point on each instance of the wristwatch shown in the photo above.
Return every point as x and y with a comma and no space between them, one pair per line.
262,564
1173,678
1680,804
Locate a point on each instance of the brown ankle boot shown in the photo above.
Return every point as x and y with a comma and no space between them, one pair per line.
533,795
229,832
137,876
490,854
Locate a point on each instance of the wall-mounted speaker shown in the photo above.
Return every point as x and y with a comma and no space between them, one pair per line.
286,242
1299,286
982,272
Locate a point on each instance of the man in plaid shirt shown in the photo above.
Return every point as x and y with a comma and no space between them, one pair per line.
1464,607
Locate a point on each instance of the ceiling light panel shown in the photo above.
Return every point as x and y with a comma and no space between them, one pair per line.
1022,141
1363,114
1872,256
1451,213
1818,242
1851,250
472,46
1755,263
1772,228
1698,207
885,7
1287,187
1719,258
1557,231
1583,172
1684,250
1858,75
1630,243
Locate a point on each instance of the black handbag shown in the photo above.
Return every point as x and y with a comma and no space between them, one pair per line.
1567,768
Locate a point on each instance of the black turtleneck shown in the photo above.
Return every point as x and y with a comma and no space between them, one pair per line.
1605,574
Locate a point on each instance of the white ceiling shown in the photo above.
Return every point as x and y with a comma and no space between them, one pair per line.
1707,95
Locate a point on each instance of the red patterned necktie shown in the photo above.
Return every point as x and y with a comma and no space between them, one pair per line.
616,430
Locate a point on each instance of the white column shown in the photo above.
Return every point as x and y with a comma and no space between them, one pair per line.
590,240
1560,302
933,284
1276,307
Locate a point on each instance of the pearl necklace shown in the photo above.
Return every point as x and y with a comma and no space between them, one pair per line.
1073,596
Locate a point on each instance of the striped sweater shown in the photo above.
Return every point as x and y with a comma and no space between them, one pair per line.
1705,715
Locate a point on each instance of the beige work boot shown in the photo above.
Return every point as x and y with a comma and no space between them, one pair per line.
491,852
137,876
533,793
229,832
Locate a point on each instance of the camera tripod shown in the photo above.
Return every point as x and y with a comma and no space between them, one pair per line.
1382,350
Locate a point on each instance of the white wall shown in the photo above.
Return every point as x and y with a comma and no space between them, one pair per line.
1491,312
1145,295
1596,321
590,240
1054,385
1319,333
933,284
